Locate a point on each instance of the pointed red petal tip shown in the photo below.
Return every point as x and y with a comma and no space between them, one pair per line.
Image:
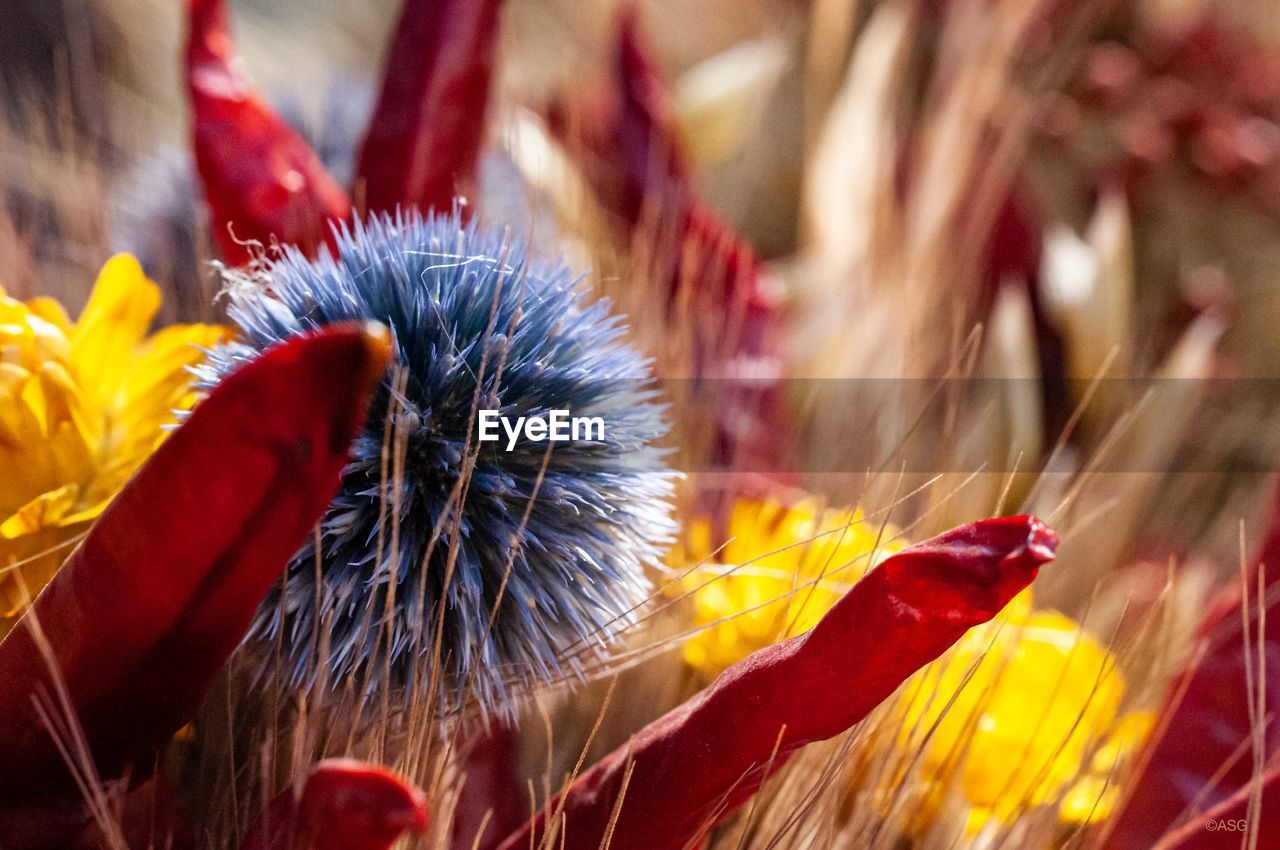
690,769
1042,541
428,127
345,805
622,130
262,182
640,78
145,612
1025,541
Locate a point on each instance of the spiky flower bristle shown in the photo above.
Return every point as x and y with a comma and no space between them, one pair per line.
556,557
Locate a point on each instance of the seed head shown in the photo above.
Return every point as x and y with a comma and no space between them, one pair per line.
430,523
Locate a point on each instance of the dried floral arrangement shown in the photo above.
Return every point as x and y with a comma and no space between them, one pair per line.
880,308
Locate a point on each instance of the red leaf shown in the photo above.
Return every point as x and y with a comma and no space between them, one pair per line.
694,766
428,127
344,805
1207,737
144,613
260,177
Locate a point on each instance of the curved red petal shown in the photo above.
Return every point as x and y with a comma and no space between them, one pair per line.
262,182
694,766
344,805
145,612
427,129
1225,826
621,129
490,804
1204,754
622,133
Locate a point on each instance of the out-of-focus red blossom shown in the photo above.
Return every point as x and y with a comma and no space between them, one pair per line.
1013,255
1047,23
1205,754
1012,248
693,767
428,127
262,181
1204,98
621,128
144,613
1225,826
622,132
1013,245
344,805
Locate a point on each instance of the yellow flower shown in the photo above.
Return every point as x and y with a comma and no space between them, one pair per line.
789,564
1040,697
1094,795
81,407
1023,712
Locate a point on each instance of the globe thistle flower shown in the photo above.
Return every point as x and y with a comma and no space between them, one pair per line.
556,555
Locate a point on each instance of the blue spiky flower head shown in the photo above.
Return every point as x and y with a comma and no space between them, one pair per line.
433,531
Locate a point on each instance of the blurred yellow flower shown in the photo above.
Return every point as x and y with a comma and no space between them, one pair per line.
82,405
788,565
1012,718
1094,795
1023,712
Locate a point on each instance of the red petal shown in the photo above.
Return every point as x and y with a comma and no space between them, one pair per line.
1013,255
623,134
622,131
426,132
744,354
345,805
261,179
492,796
153,814
1210,727
144,613
692,767
1224,826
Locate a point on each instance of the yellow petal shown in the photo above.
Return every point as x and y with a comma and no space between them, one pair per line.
1129,735
28,562
158,383
33,458
159,375
52,312
46,510
1089,800
113,323
794,562
1040,693
72,428
27,337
